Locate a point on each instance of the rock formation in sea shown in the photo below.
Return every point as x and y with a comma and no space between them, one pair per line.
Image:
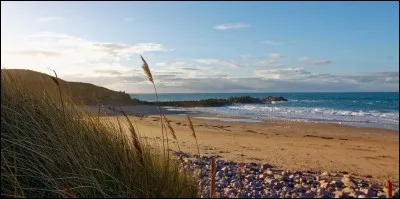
214,102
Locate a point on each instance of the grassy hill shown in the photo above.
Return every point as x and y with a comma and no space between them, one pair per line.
86,93
52,149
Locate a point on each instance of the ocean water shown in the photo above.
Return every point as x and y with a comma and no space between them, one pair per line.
379,110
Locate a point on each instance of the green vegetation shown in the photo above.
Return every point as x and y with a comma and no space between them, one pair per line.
49,148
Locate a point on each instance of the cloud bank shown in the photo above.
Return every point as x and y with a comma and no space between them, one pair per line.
117,66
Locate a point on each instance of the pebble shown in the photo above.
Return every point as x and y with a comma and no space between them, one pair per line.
323,193
287,189
304,195
325,173
260,181
348,190
338,184
381,195
269,172
219,174
236,185
325,185
339,194
270,180
313,189
369,192
348,182
261,176
265,166
278,177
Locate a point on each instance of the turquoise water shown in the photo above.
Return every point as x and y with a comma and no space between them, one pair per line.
380,110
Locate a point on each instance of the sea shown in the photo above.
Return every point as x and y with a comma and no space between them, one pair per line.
363,109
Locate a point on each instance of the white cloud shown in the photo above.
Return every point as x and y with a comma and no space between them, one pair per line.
231,26
73,55
283,74
273,43
125,50
277,80
219,62
161,64
49,19
275,56
36,53
190,77
247,61
173,64
184,70
104,64
315,62
272,61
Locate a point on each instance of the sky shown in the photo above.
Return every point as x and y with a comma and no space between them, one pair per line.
200,47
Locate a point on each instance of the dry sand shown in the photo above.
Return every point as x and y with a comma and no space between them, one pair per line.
366,152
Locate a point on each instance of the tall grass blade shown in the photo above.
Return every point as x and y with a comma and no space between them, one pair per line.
212,175
172,131
135,138
147,71
55,79
198,150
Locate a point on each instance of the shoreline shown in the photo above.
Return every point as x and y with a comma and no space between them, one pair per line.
289,145
152,110
316,121
349,108
211,115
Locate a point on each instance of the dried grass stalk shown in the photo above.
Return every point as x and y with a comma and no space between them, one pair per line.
389,187
198,150
213,171
146,70
193,134
241,172
135,138
55,80
172,131
191,127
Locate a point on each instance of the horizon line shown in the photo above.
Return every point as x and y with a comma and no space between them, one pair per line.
274,92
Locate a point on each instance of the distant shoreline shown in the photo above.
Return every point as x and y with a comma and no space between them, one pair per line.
362,109
152,110
145,96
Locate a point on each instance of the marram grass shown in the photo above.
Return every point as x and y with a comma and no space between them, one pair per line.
49,148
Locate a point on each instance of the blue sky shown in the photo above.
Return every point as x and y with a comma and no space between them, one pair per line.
208,46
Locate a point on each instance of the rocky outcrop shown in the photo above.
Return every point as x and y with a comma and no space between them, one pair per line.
274,99
213,102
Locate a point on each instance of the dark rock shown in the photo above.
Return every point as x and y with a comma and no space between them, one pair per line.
212,102
275,99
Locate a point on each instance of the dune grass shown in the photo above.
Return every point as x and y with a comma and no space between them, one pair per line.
49,148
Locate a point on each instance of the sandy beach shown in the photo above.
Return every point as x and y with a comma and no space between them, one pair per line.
366,152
